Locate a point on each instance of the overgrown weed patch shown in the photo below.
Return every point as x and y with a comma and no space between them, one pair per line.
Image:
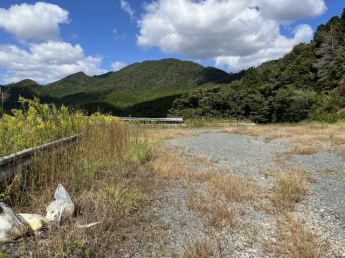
108,180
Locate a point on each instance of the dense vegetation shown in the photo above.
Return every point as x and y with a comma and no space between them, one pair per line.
37,123
105,172
307,83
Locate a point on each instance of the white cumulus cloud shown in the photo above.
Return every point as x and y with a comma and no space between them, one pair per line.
46,62
43,56
282,45
287,11
118,65
235,34
39,22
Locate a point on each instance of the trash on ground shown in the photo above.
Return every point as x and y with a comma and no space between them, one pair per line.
62,207
34,222
88,225
12,226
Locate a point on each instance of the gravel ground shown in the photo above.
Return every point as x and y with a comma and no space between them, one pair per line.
323,210
243,154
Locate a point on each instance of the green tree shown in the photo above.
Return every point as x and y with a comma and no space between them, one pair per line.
326,107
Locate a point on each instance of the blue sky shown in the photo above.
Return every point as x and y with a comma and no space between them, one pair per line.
47,41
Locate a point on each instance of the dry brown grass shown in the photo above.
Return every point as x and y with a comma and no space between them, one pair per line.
290,188
226,185
212,211
221,183
294,240
201,248
221,186
179,164
198,159
169,165
246,130
169,133
313,133
302,134
330,171
306,149
267,171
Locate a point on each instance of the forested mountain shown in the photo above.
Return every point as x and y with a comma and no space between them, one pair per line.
145,78
140,89
307,83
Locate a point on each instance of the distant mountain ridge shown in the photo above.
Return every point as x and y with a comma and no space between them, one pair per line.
148,77
134,84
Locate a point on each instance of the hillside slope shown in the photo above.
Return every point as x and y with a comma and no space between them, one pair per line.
307,83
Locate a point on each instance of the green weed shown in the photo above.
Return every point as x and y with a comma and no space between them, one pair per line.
122,198
140,149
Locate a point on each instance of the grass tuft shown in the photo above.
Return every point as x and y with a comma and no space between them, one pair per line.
290,188
200,248
121,198
169,165
295,241
233,187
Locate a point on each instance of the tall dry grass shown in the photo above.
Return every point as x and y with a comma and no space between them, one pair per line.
108,180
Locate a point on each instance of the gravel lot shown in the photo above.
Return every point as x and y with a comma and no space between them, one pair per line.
323,210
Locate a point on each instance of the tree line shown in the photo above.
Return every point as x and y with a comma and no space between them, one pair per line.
306,84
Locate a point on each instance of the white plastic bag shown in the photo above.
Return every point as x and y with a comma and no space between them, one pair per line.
62,207
12,226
